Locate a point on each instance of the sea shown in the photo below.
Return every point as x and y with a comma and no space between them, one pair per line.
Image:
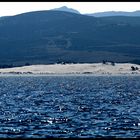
75,106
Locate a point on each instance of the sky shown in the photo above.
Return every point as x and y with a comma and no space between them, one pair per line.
13,8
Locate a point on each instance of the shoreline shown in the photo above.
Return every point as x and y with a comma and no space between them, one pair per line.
92,69
76,75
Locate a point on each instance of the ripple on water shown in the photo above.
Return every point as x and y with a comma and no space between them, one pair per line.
69,106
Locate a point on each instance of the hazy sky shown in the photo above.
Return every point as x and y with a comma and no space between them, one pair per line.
13,8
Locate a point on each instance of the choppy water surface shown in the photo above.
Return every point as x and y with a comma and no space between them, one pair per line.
69,106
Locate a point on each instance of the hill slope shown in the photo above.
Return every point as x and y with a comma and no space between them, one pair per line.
115,13
44,37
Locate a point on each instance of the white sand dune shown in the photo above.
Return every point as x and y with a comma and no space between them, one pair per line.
86,68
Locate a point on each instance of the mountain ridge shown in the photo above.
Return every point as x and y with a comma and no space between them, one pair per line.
115,13
45,37
66,9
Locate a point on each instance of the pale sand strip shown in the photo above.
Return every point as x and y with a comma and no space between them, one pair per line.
86,68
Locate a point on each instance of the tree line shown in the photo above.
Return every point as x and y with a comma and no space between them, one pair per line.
11,65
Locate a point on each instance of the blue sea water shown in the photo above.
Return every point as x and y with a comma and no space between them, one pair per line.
69,106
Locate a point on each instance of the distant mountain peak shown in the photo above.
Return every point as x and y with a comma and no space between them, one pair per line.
66,9
115,13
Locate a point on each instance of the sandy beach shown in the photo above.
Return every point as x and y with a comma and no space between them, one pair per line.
86,68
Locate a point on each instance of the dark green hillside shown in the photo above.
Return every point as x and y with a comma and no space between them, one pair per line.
52,36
